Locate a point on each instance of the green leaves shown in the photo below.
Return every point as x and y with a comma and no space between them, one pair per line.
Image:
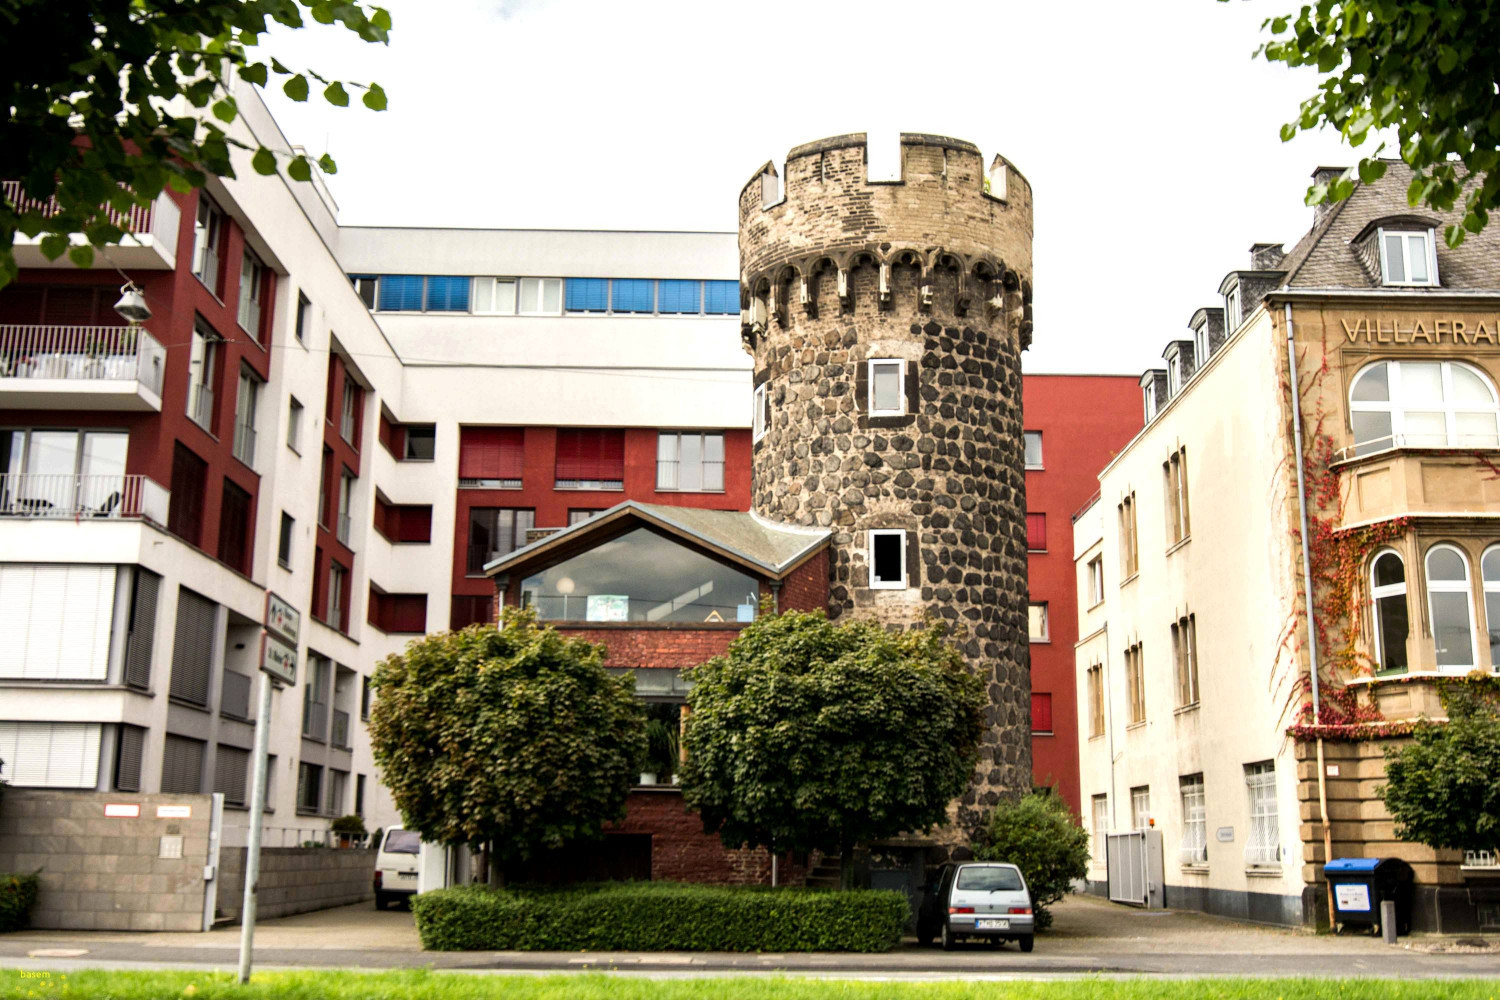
1038,835
374,98
264,161
1441,788
296,88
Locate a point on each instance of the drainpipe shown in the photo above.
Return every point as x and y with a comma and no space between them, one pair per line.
1307,586
1109,724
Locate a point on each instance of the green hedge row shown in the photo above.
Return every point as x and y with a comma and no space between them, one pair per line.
17,897
658,916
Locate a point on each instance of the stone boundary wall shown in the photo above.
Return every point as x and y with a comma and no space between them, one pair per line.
296,880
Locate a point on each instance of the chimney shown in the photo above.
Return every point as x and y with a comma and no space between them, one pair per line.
1324,175
1266,256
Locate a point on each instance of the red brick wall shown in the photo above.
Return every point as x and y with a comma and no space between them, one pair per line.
806,587
682,852
667,645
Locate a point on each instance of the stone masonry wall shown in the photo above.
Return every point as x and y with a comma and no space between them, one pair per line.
682,852
297,880
662,645
934,272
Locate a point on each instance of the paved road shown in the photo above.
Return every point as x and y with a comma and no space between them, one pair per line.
1090,937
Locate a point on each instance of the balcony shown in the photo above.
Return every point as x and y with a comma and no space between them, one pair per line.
234,701
1410,479
151,245
80,368
200,407
74,497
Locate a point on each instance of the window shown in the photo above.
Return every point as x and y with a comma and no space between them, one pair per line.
252,289
1036,532
678,296
364,699
294,424
345,522
397,612
587,295
74,472
1388,595
195,637
325,489
231,766
1264,845
642,577
1489,567
189,492
1407,258
1041,713
182,765
140,637
130,750
315,697
690,462
1193,850
470,609
1174,373
421,442
1200,345
1148,396
448,293
1099,827
1422,404
577,515
304,309
403,522
309,787
284,544
367,287
56,620
338,596
245,403
495,296
1096,580
1185,659
590,459
359,795
203,359
400,293
541,296
1096,699
1135,684
1033,449
721,298
760,412
51,754
1232,309
338,783
349,419
887,556
887,387
236,528
208,243
632,295
1448,607
494,532
1128,555
1036,614
1174,475
491,456
1140,807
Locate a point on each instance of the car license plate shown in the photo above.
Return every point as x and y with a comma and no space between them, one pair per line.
992,925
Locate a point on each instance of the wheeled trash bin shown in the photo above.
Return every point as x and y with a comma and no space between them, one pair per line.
1360,884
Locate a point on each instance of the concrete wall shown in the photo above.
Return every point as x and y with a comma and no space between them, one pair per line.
107,873
296,880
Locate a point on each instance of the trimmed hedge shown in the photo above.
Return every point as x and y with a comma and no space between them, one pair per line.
658,916
17,897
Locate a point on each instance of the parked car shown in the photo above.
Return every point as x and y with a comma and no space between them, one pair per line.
977,900
397,864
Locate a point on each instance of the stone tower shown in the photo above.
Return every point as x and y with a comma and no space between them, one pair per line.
887,321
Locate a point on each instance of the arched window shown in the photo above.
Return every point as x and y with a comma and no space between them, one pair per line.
1489,571
1448,606
1423,404
1388,595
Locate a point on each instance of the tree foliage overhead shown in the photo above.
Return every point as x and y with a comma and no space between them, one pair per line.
810,735
1042,838
94,121
1425,69
1442,789
509,736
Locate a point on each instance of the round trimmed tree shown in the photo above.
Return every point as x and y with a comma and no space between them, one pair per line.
807,735
513,738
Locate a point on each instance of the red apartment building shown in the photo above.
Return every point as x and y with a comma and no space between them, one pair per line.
1074,425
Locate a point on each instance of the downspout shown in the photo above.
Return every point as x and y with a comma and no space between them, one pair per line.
1109,724
1307,586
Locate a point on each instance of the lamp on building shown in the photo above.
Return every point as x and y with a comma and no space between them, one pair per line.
132,305
565,587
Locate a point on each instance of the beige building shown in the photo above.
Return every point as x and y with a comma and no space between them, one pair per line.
1196,667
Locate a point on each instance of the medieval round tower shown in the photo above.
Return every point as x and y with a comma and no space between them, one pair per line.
887,321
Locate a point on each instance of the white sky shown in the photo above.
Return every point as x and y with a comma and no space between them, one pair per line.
1146,128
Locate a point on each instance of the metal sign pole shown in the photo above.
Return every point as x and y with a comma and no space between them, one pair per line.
257,813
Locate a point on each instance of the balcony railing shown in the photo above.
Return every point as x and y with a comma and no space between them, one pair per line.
315,720
235,699
244,444
340,729
135,220
201,405
68,496
1259,855
345,523
81,352
1193,855
1394,442
1482,859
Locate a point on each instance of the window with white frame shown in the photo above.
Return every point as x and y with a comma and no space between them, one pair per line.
1148,398
1175,488
1448,602
1232,309
1036,615
1423,404
203,357
294,424
367,287
208,242
887,556
1200,345
1096,580
1185,659
1174,373
1407,257
887,387
1392,623
540,296
1098,827
690,461
495,296
1489,570
760,412
1140,807
245,404
1263,849
1033,449
1193,849
252,284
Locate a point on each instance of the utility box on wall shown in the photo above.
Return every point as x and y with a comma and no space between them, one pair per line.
1135,868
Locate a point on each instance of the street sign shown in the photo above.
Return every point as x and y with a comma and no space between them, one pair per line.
283,619
278,659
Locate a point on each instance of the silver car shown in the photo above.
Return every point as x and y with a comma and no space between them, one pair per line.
977,900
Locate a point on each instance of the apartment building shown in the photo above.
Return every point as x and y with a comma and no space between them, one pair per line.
1197,667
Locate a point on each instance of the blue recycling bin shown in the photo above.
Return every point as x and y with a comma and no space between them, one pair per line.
1360,884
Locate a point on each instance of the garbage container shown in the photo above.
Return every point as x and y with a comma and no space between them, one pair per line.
1360,884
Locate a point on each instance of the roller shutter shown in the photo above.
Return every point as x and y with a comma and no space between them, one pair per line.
55,621
50,754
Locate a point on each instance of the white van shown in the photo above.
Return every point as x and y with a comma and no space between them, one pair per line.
397,865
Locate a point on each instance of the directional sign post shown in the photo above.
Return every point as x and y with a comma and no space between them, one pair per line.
278,665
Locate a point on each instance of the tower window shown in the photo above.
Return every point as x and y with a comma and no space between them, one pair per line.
887,387
888,560
760,418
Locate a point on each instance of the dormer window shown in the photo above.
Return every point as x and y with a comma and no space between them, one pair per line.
1232,309
1148,395
1200,345
1174,373
1407,257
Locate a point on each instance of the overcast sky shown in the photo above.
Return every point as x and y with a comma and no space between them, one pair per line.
1146,128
